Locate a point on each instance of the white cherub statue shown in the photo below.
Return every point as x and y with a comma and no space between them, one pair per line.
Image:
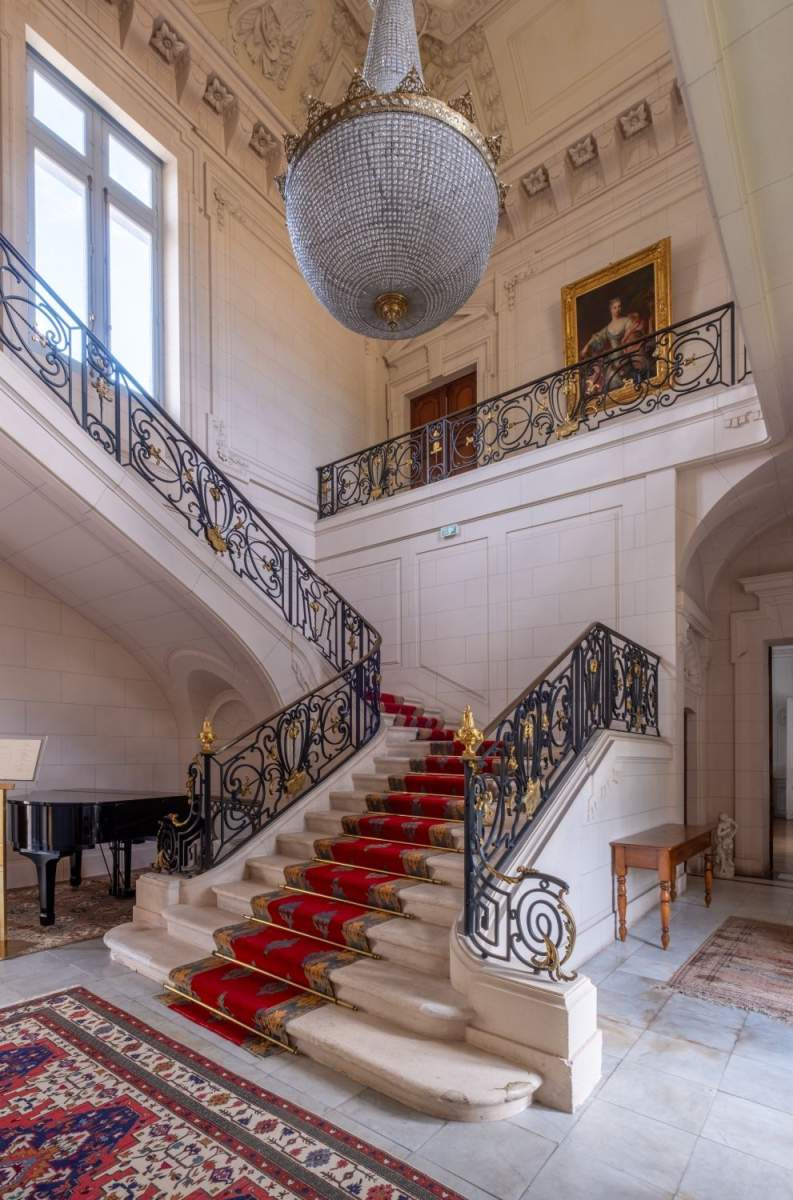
724,846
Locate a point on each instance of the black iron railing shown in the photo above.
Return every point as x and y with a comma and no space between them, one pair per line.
654,372
236,790
602,681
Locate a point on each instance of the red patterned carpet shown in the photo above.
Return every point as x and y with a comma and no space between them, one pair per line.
97,1105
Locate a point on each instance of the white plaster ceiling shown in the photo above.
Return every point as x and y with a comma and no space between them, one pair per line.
531,65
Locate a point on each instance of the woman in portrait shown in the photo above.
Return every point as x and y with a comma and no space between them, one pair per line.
622,330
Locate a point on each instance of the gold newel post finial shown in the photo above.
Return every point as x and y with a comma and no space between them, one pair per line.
469,735
207,737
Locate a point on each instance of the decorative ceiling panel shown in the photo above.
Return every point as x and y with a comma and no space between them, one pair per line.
531,65
269,32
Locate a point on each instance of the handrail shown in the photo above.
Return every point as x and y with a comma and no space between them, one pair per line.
234,791
652,372
602,680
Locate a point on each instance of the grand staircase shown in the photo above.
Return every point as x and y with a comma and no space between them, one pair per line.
337,945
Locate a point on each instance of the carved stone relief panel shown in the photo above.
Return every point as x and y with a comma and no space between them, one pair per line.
268,33
469,59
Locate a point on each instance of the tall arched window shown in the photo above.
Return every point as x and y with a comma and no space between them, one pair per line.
96,219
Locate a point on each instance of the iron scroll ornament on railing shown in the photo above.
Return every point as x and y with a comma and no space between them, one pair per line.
653,372
601,681
234,791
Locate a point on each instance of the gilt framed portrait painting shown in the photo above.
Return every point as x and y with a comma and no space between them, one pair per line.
611,310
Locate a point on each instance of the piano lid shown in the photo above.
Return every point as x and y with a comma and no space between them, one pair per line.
92,796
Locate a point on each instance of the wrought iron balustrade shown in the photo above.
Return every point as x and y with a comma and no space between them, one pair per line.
653,372
234,791
602,681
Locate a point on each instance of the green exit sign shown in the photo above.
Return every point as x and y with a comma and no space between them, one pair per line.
450,531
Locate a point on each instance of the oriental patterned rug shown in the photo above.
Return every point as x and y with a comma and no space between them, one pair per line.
95,1104
80,914
745,963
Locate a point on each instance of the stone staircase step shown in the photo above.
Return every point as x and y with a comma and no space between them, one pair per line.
348,801
399,735
396,765
196,924
420,709
445,1078
370,782
329,821
455,1082
420,945
236,895
149,951
403,751
410,956
434,905
414,944
424,901
267,870
403,997
298,847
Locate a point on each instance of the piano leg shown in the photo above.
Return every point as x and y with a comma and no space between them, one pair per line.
46,866
118,850
76,874
128,867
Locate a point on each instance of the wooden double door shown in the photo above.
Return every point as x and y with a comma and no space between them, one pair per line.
451,442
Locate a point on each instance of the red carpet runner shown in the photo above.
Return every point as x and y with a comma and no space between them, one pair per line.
267,970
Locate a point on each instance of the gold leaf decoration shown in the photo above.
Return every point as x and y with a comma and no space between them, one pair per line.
464,105
412,84
315,110
216,539
494,145
359,87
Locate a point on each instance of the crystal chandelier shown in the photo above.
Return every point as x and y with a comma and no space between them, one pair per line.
392,197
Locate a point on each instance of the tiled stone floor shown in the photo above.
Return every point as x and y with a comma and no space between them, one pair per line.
696,1100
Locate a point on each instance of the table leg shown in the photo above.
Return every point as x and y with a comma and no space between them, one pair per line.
708,877
666,905
622,905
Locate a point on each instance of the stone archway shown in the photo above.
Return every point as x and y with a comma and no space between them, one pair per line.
751,634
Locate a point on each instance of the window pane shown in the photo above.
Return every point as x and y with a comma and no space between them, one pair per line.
131,296
61,115
129,170
61,234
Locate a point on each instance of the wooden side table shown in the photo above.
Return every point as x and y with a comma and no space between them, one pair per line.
661,849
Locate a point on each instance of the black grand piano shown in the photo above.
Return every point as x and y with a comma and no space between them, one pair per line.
46,826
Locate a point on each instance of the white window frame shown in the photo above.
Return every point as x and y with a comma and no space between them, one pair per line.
93,168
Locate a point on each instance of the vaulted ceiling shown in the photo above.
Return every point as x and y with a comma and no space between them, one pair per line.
531,65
